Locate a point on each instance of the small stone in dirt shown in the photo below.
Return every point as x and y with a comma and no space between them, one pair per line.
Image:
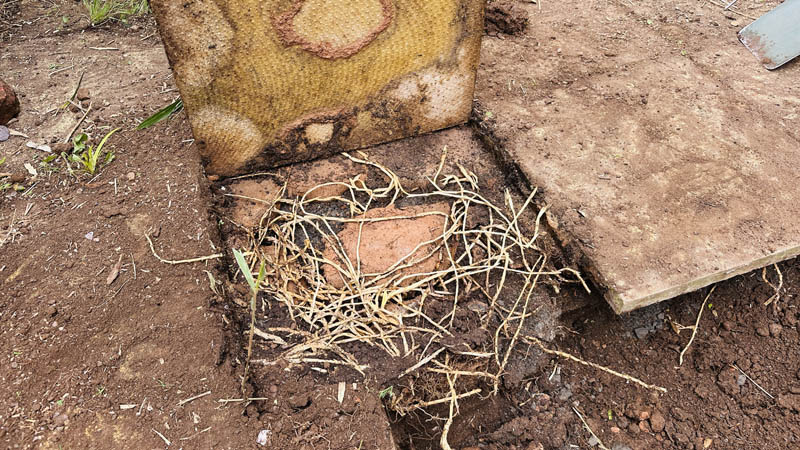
615,430
9,103
299,401
741,380
794,389
620,447
83,94
130,176
564,394
60,420
263,437
18,177
775,329
762,331
273,389
641,332
644,415
657,422
4,133
477,306
14,365
593,441
728,325
644,426
51,311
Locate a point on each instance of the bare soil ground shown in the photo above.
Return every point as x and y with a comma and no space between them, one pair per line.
86,364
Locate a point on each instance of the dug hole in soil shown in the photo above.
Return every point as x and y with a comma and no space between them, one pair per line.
148,358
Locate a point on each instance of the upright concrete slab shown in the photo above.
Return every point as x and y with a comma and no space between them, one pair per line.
669,156
268,82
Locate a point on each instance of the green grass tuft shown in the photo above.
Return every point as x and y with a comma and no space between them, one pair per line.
165,112
102,11
87,156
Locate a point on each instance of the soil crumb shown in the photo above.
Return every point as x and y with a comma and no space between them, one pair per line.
505,17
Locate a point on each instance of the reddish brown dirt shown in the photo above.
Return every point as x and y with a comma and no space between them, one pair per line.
73,349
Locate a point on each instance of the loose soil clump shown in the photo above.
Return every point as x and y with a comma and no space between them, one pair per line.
505,17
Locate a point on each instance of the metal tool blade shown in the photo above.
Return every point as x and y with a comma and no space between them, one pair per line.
775,37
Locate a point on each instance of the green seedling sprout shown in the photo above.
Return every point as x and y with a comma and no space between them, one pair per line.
87,156
164,113
244,267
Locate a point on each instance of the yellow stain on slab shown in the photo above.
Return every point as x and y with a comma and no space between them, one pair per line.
332,28
272,82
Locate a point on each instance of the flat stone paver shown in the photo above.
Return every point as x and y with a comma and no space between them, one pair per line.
668,154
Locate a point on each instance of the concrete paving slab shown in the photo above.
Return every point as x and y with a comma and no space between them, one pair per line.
271,82
668,155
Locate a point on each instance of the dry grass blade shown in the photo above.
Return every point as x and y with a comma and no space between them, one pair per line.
777,288
696,325
565,355
181,261
589,429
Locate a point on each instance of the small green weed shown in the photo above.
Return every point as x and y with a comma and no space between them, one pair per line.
101,11
388,392
47,163
164,113
87,156
3,184
254,284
